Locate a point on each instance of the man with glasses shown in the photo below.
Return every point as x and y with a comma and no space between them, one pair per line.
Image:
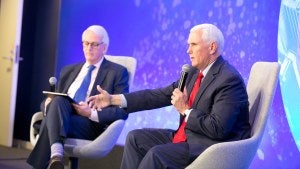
77,120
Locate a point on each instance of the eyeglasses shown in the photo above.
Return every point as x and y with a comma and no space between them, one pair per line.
93,44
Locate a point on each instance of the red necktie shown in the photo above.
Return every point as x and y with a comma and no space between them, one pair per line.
180,135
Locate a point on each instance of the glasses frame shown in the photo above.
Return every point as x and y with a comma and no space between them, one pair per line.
92,44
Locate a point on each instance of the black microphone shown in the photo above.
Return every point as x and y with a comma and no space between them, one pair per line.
52,82
184,73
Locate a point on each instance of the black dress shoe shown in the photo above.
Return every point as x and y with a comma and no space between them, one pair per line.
56,162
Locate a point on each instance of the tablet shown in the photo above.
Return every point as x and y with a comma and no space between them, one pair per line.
60,94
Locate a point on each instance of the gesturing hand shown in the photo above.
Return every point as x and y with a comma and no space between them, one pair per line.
102,100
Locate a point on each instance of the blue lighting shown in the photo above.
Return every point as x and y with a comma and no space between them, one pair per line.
289,58
155,33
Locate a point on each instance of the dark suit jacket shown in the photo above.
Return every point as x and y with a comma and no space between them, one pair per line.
111,77
220,109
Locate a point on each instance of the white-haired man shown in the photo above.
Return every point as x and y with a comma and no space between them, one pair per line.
65,119
215,111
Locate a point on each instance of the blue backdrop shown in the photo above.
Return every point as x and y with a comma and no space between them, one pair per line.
155,33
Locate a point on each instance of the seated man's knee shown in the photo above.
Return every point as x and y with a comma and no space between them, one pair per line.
58,99
132,135
154,151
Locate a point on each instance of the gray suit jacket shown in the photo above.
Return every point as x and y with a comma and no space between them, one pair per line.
220,109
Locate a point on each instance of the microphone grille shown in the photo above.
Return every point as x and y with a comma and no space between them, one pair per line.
52,80
186,68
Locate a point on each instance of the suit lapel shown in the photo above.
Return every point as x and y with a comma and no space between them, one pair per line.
102,72
72,76
208,79
204,84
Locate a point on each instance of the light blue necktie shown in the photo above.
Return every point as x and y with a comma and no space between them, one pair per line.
80,94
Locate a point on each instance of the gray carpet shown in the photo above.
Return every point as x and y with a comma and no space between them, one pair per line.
15,158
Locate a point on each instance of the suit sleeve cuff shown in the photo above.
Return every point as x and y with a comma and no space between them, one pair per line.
187,113
94,115
123,101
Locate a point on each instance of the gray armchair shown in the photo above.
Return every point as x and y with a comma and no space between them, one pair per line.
239,154
104,143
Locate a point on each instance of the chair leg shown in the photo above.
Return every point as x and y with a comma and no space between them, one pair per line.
73,163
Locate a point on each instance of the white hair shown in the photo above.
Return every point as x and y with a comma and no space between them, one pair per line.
100,31
210,34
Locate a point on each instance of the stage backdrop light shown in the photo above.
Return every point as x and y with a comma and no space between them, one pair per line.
155,33
289,58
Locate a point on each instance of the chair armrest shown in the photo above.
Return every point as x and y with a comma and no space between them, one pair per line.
33,133
227,155
99,147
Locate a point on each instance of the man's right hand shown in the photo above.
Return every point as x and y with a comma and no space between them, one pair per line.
102,100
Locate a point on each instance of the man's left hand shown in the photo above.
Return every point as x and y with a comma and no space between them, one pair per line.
83,109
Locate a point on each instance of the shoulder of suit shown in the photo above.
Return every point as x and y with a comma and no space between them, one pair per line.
113,65
71,67
75,65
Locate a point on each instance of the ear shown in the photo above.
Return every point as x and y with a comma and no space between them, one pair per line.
105,49
213,48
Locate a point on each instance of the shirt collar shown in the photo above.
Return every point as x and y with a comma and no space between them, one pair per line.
97,65
204,72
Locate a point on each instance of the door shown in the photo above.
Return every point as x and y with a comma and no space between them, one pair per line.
10,33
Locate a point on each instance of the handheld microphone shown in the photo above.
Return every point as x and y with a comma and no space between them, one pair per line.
183,75
52,82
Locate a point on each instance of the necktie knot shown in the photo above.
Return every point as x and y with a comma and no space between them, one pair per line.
200,76
91,68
